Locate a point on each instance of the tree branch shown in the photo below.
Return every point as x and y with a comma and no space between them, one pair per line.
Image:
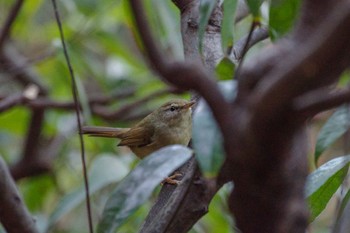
46,103
10,101
307,62
189,75
269,136
258,35
315,102
6,28
128,108
43,161
13,213
11,60
183,75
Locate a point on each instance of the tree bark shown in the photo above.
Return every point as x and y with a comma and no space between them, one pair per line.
14,216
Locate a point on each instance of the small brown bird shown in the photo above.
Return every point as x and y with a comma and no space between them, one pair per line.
170,124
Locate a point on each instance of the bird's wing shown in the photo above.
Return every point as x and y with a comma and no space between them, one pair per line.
136,136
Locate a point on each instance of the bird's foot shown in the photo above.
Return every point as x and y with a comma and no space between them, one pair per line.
172,179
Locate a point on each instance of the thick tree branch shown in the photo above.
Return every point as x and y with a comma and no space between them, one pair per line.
189,75
14,216
270,137
183,75
242,11
212,52
310,104
307,61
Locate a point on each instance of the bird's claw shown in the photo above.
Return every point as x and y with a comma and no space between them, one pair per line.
172,179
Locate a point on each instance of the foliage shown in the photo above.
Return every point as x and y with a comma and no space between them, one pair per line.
137,187
207,139
107,58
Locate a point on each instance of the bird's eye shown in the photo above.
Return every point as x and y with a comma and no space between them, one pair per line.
172,108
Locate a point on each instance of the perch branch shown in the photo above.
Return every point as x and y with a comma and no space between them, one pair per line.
185,76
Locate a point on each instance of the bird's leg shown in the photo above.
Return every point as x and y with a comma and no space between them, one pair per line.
172,179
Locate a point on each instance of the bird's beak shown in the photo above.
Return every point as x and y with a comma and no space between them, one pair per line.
188,105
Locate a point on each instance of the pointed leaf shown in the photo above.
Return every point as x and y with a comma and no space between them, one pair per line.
282,16
324,182
334,128
137,187
206,7
207,139
228,24
225,69
106,169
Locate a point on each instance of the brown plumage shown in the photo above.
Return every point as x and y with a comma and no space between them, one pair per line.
167,125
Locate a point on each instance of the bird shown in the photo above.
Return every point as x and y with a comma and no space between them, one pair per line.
169,124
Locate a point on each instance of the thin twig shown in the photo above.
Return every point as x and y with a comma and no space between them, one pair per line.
6,28
10,101
245,48
11,59
258,35
76,101
7,102
126,109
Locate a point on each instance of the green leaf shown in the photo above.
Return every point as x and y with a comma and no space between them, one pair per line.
324,182
36,190
282,16
207,139
106,169
254,6
206,7
228,24
137,187
334,128
225,69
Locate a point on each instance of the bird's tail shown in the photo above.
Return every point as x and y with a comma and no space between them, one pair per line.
107,132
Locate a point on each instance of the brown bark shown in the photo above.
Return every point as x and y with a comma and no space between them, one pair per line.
14,216
263,129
